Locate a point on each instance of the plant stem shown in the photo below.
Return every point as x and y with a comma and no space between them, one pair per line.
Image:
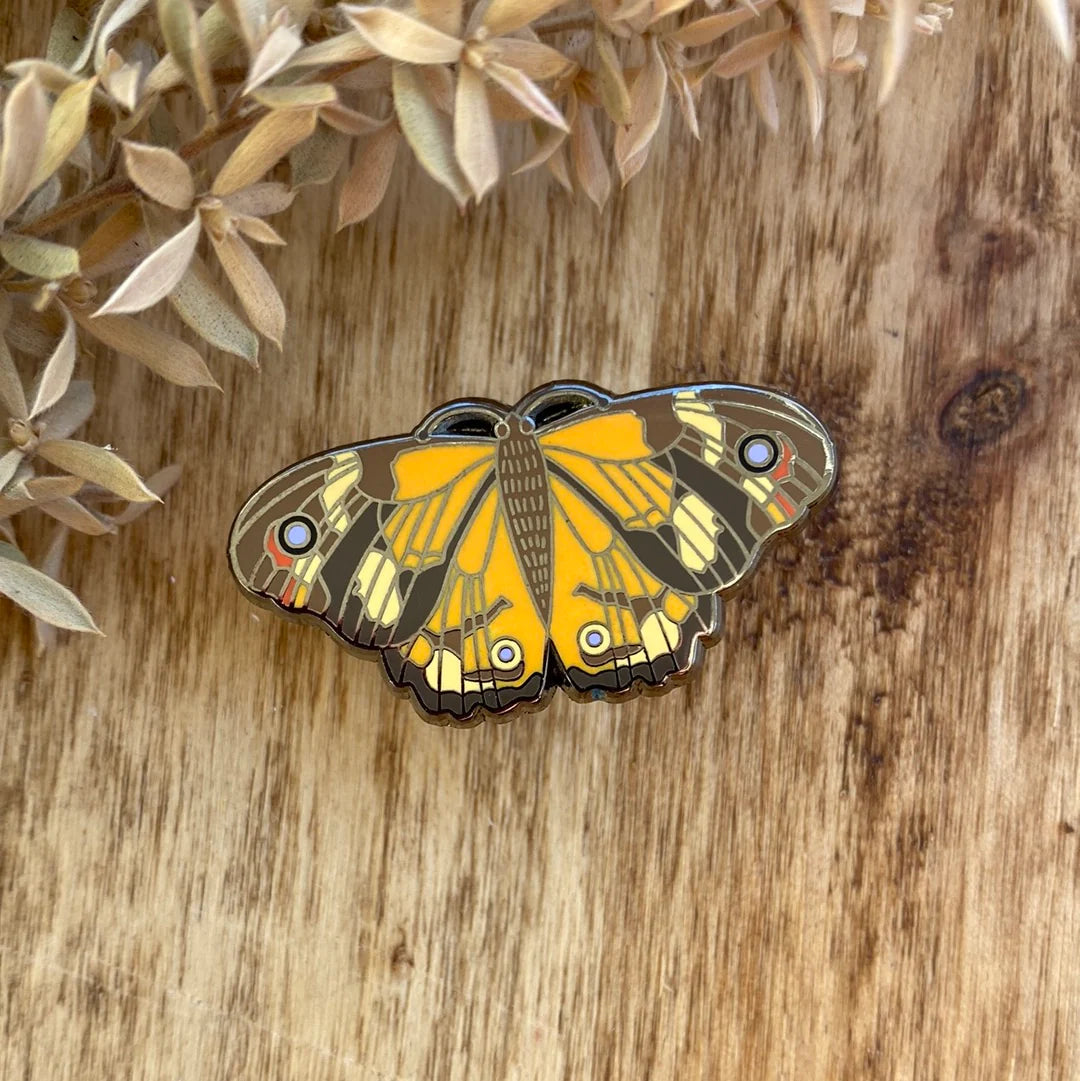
78,206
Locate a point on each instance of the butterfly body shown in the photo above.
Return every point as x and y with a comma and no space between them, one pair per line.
577,540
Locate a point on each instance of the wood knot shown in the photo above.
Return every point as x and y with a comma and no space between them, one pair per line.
983,410
401,960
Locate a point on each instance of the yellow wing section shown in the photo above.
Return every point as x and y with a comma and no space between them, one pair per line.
613,623
484,645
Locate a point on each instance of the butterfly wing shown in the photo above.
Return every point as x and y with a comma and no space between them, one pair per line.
663,501
395,546
484,646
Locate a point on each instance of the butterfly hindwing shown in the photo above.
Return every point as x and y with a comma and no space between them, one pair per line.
483,647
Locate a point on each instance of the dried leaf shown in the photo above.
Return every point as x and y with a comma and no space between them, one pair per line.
73,514
121,14
183,36
707,30
427,131
160,173
68,414
254,286
816,22
349,48
610,80
156,276
66,38
474,132
45,633
263,147
685,97
256,229
401,37
12,395
120,241
270,197
548,141
646,111
248,18
219,39
9,462
169,357
40,595
588,157
901,24
815,93
349,121
1056,14
52,78
531,57
67,122
122,81
26,113
279,48
201,305
523,90
56,375
444,15
97,465
750,52
159,484
37,490
306,95
317,159
763,91
502,16
39,258
367,181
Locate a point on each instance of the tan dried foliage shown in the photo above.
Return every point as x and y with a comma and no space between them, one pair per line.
308,94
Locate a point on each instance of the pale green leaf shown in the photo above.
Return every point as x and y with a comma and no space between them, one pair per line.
40,595
39,258
183,36
427,131
97,465
12,395
200,303
255,288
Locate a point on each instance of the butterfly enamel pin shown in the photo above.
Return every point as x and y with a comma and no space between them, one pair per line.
577,540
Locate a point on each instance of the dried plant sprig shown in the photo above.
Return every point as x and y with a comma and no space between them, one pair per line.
117,207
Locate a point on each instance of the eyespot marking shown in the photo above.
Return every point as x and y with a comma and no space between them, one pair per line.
758,452
297,534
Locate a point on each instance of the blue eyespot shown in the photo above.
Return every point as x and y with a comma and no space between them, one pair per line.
758,453
297,535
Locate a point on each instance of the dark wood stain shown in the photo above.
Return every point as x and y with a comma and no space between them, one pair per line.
846,852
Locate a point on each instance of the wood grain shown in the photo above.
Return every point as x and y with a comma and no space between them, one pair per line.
850,851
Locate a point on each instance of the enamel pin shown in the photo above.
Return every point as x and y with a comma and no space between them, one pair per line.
577,540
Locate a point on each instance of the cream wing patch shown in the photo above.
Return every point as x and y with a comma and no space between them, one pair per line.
697,530
697,414
377,585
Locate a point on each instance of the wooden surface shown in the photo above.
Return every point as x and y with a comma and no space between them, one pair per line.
851,850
